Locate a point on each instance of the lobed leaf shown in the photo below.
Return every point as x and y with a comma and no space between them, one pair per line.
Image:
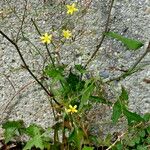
35,141
12,129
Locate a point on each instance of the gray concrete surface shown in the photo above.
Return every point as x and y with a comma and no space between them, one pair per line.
22,98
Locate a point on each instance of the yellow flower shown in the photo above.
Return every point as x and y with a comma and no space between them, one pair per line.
46,38
71,9
72,109
67,34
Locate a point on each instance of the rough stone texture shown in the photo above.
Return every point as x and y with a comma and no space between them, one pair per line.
30,103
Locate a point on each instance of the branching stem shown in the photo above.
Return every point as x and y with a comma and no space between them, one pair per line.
103,35
26,66
132,68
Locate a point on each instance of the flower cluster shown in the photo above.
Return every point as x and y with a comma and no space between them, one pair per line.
47,38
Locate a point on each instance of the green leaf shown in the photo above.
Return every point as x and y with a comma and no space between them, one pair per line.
80,68
76,137
73,85
73,81
108,140
146,117
141,147
142,133
87,148
98,99
148,140
39,138
137,139
35,141
12,129
148,130
124,96
34,130
117,111
87,91
129,43
119,146
131,143
55,73
131,116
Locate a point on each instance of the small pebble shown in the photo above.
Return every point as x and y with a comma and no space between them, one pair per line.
104,74
147,11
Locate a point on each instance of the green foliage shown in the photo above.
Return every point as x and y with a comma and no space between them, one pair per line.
146,117
124,95
132,117
98,99
137,138
86,92
38,136
76,137
119,146
87,148
56,73
120,107
117,111
80,68
12,129
75,134
74,94
74,82
37,139
129,43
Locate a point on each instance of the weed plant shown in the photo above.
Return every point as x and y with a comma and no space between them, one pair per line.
72,93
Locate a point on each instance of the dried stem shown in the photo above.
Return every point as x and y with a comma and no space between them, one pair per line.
103,35
18,92
121,136
12,85
22,22
118,139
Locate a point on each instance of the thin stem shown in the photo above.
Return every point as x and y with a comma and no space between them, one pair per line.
17,93
22,22
131,69
103,35
50,55
37,29
139,60
52,60
48,51
12,85
26,66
